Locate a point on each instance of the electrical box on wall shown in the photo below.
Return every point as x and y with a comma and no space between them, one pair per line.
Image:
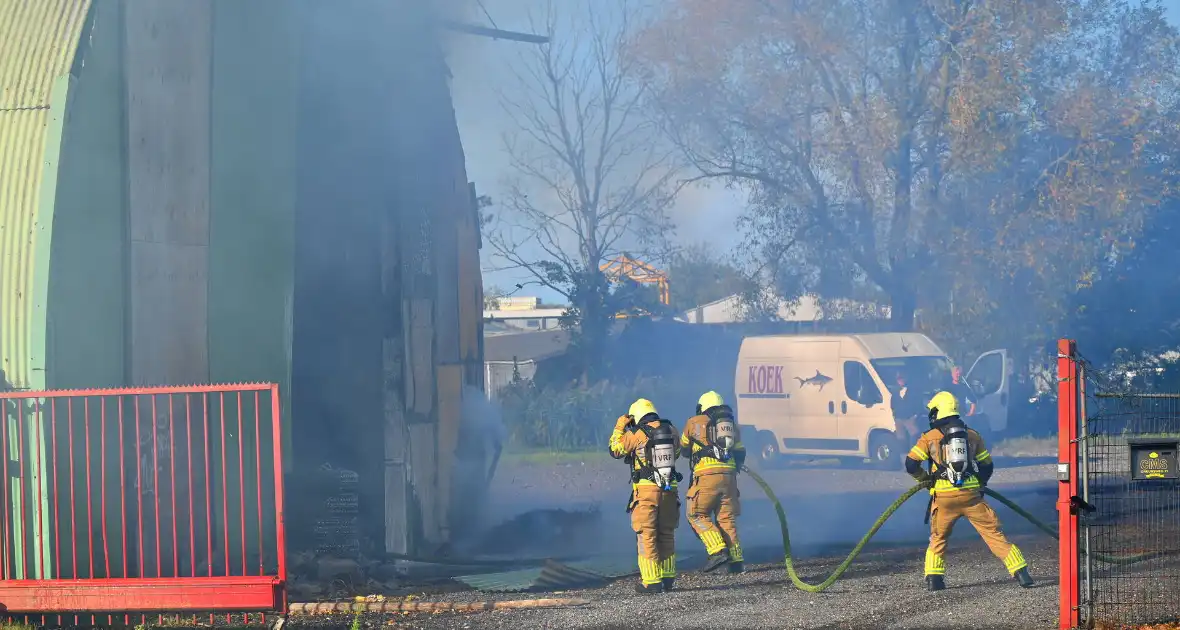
1154,459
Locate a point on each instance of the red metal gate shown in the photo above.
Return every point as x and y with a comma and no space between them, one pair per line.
156,499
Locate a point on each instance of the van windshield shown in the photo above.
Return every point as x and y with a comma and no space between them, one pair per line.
924,375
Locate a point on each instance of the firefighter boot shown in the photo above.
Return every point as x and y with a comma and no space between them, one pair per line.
648,589
716,560
1023,578
735,567
668,584
935,582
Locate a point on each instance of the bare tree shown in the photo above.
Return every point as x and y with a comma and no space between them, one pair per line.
590,177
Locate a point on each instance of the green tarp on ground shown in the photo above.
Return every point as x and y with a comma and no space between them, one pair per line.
556,576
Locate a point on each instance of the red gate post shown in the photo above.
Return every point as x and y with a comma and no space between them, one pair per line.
280,520
1067,488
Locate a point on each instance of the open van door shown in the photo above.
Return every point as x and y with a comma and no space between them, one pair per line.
988,378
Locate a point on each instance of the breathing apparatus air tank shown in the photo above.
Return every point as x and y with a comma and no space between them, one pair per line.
722,431
662,454
956,455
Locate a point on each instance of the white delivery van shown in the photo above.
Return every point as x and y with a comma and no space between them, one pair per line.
836,395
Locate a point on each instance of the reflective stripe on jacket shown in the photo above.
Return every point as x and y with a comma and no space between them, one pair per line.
625,443
929,448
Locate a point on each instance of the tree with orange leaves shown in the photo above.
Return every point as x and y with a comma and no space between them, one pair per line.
980,152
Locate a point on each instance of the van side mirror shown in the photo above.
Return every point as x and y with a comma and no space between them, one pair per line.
868,398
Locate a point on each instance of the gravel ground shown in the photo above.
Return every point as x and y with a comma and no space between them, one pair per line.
884,589
829,507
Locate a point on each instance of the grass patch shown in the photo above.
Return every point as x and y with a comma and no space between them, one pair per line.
1026,446
550,457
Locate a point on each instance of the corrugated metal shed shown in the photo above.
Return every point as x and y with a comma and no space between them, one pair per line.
38,40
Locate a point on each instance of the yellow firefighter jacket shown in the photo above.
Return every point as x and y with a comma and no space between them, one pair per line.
695,435
629,441
929,447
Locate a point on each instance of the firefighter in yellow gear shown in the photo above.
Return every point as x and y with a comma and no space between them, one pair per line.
959,468
713,445
649,446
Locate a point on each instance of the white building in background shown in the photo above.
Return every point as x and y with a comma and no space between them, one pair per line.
531,320
517,303
519,353
808,308
519,332
521,314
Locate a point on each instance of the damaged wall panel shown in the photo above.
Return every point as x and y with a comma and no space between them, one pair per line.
384,315
344,136
398,512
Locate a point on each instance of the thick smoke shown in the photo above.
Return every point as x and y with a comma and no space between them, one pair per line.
482,437
830,503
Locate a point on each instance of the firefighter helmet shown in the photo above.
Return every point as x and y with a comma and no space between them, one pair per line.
709,400
641,408
943,405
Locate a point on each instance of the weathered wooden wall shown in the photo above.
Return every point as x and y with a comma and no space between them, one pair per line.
432,338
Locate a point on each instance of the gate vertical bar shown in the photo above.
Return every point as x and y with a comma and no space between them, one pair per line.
1067,464
1084,480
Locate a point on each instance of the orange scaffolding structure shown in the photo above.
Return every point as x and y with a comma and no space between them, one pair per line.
623,266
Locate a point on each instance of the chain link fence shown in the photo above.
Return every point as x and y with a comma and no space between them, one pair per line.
1129,524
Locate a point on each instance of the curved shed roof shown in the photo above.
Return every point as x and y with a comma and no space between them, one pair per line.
38,42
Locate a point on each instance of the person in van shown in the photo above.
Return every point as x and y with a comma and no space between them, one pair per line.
904,403
959,388
959,468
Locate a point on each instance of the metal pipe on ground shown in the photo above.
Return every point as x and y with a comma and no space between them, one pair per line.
320,608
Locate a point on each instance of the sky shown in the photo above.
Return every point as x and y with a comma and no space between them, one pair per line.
479,65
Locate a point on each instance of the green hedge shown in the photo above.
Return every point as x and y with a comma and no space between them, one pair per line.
581,418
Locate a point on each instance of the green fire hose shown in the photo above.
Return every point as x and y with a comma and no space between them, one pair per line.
905,496
789,559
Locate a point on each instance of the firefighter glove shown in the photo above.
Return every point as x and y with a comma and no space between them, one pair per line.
925,479
739,458
622,422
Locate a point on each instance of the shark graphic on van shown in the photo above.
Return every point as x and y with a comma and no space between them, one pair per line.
819,380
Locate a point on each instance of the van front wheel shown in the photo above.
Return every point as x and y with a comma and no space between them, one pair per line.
883,450
768,454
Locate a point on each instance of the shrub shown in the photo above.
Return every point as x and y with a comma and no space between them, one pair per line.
580,418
